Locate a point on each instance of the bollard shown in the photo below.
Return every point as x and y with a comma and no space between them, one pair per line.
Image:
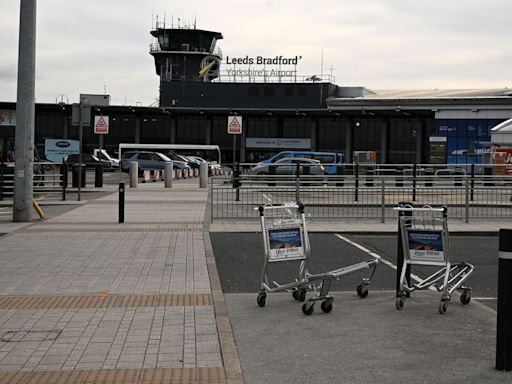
400,251
504,315
121,202
75,177
134,174
98,176
272,171
203,175
168,174
340,170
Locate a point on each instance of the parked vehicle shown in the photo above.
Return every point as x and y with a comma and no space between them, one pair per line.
288,166
102,154
328,159
149,161
177,157
87,161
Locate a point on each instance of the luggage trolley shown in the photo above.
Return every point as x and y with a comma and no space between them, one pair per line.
425,241
285,238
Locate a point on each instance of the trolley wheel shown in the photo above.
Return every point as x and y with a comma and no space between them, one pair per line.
299,294
465,298
362,290
261,299
399,302
443,307
308,308
326,306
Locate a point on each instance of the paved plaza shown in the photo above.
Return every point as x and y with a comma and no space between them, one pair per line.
84,299
81,292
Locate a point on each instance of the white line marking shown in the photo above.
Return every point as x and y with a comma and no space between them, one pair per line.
485,298
377,256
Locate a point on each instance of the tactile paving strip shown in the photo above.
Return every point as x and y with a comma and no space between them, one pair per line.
103,300
158,202
119,376
47,228
132,223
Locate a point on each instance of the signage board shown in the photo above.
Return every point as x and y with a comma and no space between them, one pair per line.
425,245
288,143
285,244
235,125
57,149
101,125
75,115
437,150
503,161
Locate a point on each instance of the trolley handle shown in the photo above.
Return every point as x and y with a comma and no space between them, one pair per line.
422,209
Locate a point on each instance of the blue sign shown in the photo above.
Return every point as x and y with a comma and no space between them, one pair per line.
57,149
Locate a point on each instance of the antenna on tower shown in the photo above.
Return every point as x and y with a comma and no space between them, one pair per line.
195,19
105,87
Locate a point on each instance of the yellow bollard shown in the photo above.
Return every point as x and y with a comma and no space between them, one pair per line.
38,209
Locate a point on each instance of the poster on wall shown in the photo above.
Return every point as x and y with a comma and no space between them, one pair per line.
285,244
425,245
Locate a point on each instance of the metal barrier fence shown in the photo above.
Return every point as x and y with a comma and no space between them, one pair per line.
366,194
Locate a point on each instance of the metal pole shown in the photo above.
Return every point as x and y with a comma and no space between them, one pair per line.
25,114
383,200
472,181
121,203
504,315
80,134
357,183
414,173
234,149
297,183
467,201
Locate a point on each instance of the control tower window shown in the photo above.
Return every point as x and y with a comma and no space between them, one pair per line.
163,40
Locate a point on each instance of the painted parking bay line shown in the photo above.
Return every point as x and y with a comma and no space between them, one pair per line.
376,256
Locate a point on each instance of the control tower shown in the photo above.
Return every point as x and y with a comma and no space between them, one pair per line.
185,53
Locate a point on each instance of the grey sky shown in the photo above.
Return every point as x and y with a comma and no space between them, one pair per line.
381,44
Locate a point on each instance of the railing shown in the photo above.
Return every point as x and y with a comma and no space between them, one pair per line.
357,192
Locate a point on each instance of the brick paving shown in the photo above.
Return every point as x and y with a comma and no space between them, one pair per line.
158,252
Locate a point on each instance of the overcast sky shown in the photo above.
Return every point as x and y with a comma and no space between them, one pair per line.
84,46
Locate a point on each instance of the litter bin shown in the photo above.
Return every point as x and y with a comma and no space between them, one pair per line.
75,177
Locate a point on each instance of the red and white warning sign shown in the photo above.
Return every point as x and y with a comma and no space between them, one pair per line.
235,125
101,125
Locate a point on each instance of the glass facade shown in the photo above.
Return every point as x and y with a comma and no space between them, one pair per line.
402,141
332,134
368,135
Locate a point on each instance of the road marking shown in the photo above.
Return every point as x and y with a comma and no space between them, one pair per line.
485,298
377,256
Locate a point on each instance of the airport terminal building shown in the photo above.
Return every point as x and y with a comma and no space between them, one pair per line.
200,88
